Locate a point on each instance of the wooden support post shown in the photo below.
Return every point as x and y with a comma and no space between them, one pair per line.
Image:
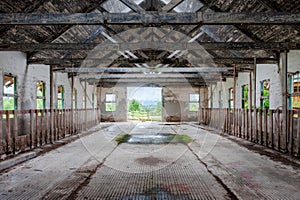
298,133
64,114
72,106
31,134
85,105
278,132
8,134
36,138
55,125
246,114
291,126
15,131
271,128
284,135
234,101
250,127
1,135
254,98
47,126
266,138
261,136
51,136
41,127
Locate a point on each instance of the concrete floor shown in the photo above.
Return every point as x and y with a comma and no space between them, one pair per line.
95,167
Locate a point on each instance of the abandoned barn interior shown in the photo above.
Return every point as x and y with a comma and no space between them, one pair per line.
220,78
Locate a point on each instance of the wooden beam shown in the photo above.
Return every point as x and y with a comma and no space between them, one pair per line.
152,80
149,76
284,87
149,18
173,46
149,84
96,61
141,70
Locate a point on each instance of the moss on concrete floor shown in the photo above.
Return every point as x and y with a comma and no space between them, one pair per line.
171,138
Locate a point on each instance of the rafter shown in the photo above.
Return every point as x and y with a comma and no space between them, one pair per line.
173,46
149,18
144,70
97,61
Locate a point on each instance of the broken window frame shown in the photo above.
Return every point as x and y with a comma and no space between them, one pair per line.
42,96
60,99
245,96
112,102
264,99
294,93
194,102
9,95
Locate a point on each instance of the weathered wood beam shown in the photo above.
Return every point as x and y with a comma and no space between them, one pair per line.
149,18
152,80
149,76
142,70
150,84
95,61
173,46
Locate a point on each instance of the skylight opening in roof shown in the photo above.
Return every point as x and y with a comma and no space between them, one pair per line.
188,6
165,1
116,6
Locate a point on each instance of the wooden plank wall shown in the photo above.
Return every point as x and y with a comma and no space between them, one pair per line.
264,127
22,130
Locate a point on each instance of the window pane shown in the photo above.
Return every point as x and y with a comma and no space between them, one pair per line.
194,107
296,102
231,104
40,87
110,98
194,97
8,103
60,92
110,107
9,85
60,104
40,104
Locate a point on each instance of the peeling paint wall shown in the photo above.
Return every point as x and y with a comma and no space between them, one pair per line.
14,63
214,91
62,79
264,72
121,104
175,102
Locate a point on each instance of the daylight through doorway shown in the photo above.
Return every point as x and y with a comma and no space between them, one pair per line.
144,103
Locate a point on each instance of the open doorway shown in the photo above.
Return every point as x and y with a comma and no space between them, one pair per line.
144,103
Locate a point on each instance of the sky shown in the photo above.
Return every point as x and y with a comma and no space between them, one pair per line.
144,93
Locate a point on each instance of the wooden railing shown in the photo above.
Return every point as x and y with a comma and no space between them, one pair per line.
263,127
22,130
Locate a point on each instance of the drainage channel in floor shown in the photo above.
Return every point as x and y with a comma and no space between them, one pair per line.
161,138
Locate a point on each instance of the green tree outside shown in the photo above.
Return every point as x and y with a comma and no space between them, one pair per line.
134,106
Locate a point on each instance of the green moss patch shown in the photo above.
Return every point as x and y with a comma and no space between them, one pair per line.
153,139
183,138
122,138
